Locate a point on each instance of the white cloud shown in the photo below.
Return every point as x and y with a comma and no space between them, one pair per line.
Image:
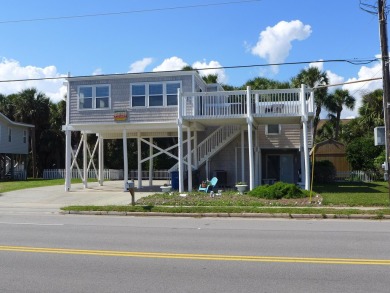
140,65
97,71
222,78
274,43
11,70
319,64
173,63
359,89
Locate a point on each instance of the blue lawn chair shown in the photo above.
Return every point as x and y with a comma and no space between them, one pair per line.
209,187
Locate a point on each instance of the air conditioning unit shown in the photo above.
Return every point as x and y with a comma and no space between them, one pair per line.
379,135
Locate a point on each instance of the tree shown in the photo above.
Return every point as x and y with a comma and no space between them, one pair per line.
313,77
261,83
210,78
361,153
371,111
33,107
335,103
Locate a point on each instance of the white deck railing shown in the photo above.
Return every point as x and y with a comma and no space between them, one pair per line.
265,103
217,140
109,174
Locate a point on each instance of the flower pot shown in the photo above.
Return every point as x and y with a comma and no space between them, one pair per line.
241,188
166,188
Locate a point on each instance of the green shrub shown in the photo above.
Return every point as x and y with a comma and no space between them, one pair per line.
277,191
324,171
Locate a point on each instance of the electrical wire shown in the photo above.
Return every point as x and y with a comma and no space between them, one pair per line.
127,12
354,61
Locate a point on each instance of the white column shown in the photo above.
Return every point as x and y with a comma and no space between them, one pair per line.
180,139
250,137
196,150
242,156
101,160
85,160
125,161
189,159
68,159
139,161
68,141
257,167
305,137
151,161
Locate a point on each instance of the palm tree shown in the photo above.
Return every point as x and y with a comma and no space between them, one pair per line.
210,78
261,83
313,77
335,103
371,111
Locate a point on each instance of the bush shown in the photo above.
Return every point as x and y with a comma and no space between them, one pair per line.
277,191
324,172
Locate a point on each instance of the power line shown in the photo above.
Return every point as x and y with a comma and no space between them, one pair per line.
354,61
127,12
348,82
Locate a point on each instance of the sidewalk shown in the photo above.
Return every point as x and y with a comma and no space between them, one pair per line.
51,198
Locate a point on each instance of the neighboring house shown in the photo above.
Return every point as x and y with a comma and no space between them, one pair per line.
14,148
333,151
257,136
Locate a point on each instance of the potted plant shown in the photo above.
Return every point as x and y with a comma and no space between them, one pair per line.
205,183
166,188
241,186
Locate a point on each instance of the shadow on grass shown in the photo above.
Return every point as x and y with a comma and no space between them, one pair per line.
351,187
147,208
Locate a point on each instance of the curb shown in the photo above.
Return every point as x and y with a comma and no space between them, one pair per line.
231,215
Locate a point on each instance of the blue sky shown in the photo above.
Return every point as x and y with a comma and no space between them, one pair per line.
206,34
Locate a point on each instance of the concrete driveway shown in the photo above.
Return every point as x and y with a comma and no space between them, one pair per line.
50,199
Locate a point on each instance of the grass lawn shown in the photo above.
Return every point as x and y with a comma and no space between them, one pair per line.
6,186
354,194
345,194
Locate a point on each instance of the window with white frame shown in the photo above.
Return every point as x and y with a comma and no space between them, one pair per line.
172,93
9,134
24,136
154,94
272,129
94,97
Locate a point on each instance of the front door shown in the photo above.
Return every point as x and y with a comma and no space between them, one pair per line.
286,168
280,168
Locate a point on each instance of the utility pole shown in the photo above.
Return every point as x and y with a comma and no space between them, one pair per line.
380,9
382,17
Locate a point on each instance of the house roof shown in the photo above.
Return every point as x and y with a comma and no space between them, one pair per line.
329,146
9,121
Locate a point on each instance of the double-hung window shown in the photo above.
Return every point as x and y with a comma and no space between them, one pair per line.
154,94
94,97
138,95
172,93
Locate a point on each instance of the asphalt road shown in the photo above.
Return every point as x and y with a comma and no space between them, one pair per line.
69,253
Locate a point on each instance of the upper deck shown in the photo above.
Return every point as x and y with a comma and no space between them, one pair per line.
150,102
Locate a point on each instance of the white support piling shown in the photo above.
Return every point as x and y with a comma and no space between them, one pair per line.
189,159
125,161
151,161
139,160
85,160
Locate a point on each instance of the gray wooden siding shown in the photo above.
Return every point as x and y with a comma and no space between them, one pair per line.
289,137
120,100
16,146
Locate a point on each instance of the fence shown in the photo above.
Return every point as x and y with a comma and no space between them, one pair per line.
357,176
108,174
